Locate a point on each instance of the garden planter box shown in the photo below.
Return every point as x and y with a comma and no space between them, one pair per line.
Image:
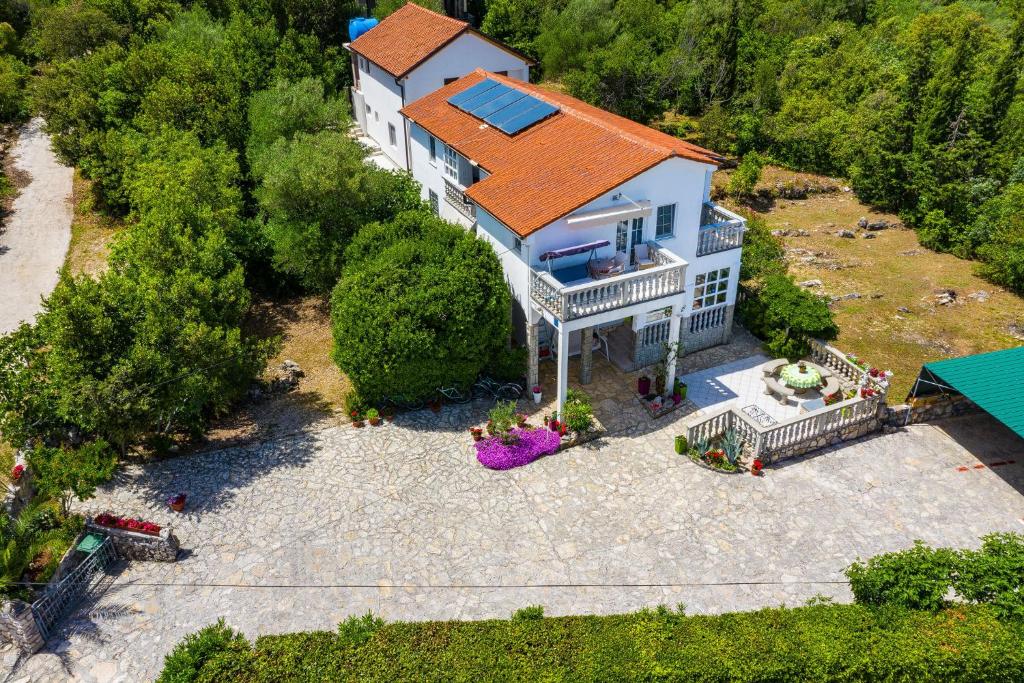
135,545
700,463
106,528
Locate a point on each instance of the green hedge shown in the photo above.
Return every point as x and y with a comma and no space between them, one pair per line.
824,642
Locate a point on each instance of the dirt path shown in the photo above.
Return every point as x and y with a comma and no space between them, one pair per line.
35,239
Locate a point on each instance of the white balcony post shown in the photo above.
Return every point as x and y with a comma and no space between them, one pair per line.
533,348
563,369
673,340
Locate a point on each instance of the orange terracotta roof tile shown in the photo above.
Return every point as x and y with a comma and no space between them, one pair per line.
553,167
407,37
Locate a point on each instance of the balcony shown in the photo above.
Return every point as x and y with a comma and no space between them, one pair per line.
584,297
457,198
720,230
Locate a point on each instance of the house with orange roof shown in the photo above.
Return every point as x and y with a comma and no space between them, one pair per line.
408,55
605,228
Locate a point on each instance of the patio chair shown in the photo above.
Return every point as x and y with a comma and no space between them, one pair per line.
643,256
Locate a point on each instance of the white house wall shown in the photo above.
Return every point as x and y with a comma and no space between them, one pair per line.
384,97
517,272
430,174
458,58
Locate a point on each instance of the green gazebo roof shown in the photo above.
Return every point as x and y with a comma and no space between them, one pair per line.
993,381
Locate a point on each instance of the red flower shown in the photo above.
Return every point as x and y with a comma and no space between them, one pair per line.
17,471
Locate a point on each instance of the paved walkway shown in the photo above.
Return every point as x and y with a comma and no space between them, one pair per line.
299,532
34,239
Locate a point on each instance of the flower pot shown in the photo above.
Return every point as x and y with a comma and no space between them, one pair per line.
477,436
643,386
680,444
536,397
677,399
375,421
553,425
358,423
178,507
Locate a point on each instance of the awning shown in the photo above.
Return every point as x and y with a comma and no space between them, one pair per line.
609,214
570,251
992,381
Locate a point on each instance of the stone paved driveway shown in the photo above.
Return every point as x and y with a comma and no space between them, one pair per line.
303,530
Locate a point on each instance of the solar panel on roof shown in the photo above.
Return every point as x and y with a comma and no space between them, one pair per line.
498,103
483,98
506,108
472,91
528,118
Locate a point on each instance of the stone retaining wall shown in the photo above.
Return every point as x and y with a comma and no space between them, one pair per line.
18,626
850,433
131,545
928,408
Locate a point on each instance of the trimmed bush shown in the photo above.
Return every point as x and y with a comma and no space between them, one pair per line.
994,574
815,643
426,311
916,578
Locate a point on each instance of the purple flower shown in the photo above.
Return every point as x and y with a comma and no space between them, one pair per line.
529,445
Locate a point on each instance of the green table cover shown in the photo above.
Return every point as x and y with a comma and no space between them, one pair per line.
807,379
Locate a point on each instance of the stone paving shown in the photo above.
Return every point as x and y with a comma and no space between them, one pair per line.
304,529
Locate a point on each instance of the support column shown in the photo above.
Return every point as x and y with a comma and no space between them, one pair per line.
563,369
533,364
586,355
673,339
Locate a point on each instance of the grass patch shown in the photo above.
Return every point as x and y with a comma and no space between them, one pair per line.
890,272
91,231
816,643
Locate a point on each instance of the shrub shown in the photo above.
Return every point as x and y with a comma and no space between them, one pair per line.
994,574
195,657
785,315
746,175
816,643
423,313
508,365
530,613
577,413
916,578
502,418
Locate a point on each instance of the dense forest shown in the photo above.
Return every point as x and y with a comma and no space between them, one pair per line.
917,102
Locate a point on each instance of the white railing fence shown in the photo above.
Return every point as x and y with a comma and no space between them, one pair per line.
457,198
790,436
590,298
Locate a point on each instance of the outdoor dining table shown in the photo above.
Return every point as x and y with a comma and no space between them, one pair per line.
798,378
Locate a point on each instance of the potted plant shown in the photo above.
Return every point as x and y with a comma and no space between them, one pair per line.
679,388
490,427
388,413
554,424
357,419
643,385
677,398
681,445
536,394
477,432
177,502
373,416
756,467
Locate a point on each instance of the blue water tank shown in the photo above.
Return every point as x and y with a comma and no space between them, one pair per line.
360,25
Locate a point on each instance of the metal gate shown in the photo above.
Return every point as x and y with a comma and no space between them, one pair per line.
62,598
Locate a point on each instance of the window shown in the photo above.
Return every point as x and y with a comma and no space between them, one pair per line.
433,149
392,135
376,116
621,235
434,206
666,224
637,237
451,163
451,80
517,244
710,289
368,110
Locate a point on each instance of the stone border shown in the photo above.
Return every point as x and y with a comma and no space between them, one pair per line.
18,625
131,545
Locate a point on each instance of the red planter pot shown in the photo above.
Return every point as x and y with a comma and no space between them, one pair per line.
643,386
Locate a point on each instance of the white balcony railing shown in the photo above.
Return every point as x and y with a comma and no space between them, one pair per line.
457,198
720,230
666,278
